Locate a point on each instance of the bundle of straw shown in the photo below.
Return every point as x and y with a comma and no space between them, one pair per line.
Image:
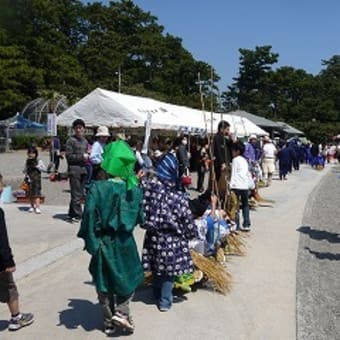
219,277
147,278
235,244
220,255
259,198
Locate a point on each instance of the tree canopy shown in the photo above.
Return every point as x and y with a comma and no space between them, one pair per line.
69,47
288,94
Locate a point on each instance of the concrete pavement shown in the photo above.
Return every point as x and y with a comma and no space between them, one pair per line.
318,269
260,306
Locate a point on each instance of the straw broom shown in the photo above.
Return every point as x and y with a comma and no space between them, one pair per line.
147,279
259,198
234,244
214,271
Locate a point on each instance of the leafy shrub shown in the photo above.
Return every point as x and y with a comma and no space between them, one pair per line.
25,141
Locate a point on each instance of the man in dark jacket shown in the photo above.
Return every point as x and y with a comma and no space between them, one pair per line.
222,149
76,155
222,158
8,289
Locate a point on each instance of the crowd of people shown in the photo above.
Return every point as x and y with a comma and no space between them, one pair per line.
127,183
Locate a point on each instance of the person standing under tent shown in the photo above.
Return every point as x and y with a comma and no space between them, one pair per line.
55,156
76,156
96,155
240,183
182,155
203,165
222,158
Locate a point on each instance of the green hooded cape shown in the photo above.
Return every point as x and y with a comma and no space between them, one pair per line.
110,214
119,161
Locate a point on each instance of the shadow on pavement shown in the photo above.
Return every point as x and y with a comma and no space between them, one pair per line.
91,283
81,313
320,234
63,217
3,325
145,295
324,256
24,208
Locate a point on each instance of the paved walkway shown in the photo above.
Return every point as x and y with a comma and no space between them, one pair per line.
318,267
260,306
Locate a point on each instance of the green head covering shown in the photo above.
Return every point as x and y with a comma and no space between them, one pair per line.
119,160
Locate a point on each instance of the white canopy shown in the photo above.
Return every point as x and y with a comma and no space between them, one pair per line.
112,109
239,126
100,108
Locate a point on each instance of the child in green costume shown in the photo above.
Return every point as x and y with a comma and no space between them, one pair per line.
112,210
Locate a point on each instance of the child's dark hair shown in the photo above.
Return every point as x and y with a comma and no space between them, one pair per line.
33,149
238,147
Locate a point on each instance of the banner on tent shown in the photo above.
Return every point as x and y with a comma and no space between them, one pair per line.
52,124
192,131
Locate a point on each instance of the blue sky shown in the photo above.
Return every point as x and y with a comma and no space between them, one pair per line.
302,31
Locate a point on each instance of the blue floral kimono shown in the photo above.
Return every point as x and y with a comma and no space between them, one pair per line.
169,227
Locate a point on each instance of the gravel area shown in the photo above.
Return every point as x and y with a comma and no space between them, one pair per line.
318,266
12,165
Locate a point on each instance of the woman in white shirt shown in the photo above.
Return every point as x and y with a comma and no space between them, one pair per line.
240,182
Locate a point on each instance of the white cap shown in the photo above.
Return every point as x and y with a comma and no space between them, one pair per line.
252,137
102,131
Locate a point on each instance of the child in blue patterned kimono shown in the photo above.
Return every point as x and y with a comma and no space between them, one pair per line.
169,227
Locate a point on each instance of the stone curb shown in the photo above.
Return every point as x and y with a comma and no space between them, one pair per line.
44,259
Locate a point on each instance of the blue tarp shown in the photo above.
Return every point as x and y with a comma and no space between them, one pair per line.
24,123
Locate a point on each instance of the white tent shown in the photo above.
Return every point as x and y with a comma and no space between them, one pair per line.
102,107
239,126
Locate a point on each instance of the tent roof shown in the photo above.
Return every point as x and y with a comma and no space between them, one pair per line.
290,129
258,120
240,126
102,107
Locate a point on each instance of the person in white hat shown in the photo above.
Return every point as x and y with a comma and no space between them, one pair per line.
96,156
268,159
250,149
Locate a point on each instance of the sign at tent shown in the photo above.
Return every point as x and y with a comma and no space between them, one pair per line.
52,124
147,126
